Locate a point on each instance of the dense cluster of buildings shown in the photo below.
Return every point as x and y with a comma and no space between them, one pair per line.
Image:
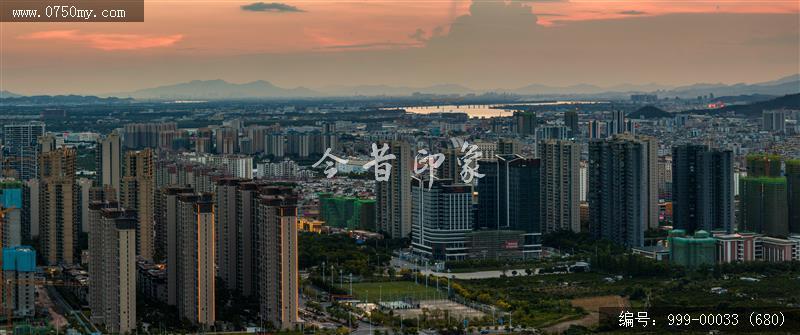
615,185
160,224
172,214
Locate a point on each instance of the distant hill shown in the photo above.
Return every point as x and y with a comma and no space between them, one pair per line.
791,101
782,86
61,100
538,89
649,112
218,90
387,90
6,94
222,90
744,99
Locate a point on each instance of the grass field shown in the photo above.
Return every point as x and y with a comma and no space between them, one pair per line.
393,291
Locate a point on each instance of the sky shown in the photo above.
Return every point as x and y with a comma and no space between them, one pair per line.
478,44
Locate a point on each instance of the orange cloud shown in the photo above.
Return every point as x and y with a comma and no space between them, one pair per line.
106,42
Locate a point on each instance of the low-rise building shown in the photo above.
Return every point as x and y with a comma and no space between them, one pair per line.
777,249
735,247
151,280
496,244
692,251
656,252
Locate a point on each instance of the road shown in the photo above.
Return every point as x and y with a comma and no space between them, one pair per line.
68,310
56,318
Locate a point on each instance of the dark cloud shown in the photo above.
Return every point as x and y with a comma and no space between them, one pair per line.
376,45
632,12
419,35
273,7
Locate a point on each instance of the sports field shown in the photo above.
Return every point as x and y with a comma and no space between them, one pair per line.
394,291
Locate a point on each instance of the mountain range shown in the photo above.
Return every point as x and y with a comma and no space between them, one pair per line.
219,89
7,94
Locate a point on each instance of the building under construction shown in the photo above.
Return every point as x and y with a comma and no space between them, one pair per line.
18,287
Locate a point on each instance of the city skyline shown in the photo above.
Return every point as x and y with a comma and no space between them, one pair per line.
377,167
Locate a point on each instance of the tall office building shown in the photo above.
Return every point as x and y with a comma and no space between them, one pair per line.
85,193
247,202
594,129
202,142
176,140
146,135
651,161
195,259
298,144
618,190
763,206
560,185
96,260
17,285
227,140
571,121
276,247
167,228
322,141
774,121
196,175
275,145
46,143
509,199
441,219
525,123
257,136
58,206
393,197
20,148
617,124
226,226
138,193
449,168
109,162
664,178
30,210
553,132
702,184
793,194
112,257
507,146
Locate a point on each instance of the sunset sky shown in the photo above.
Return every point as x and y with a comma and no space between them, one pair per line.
483,45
